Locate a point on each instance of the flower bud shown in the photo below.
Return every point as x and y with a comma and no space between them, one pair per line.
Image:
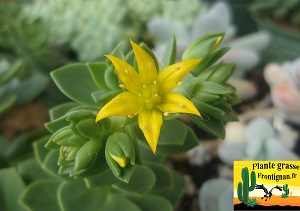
203,46
79,142
120,155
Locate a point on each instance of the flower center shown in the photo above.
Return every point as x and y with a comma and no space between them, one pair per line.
149,95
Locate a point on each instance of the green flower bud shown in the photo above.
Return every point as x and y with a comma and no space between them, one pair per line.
79,142
120,155
203,46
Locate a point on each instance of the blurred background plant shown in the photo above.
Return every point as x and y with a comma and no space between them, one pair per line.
282,20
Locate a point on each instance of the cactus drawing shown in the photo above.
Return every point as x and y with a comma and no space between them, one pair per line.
244,188
286,191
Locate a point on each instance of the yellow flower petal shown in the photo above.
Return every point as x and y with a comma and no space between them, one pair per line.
173,102
123,104
169,77
146,65
127,74
150,122
121,161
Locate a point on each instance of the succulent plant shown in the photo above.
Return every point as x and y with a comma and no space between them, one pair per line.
18,84
245,50
27,38
256,141
216,194
101,160
279,10
284,82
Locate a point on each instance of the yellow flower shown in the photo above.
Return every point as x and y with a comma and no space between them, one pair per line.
148,93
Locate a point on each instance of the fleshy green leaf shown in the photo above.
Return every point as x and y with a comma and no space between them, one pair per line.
163,177
11,188
40,151
170,52
102,97
22,145
30,170
105,178
50,162
190,142
212,126
73,194
111,78
61,110
136,184
222,73
173,132
6,103
57,124
31,88
208,109
211,88
97,71
41,195
150,202
176,192
76,82
201,47
84,158
209,60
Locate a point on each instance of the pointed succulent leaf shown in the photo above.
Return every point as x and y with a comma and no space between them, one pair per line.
190,142
175,193
212,125
208,109
77,115
84,159
169,57
95,198
88,128
205,97
222,73
22,145
46,191
6,103
104,178
173,132
11,188
7,75
75,82
97,71
71,194
163,177
211,88
136,184
61,110
57,124
149,202
102,97
40,151
30,170
203,46
209,60
31,88
111,78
